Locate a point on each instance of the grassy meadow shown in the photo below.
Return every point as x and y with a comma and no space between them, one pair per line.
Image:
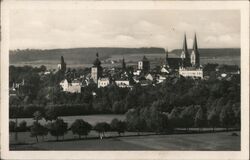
220,141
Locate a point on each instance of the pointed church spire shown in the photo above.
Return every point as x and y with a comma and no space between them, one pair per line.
184,54
196,52
166,57
123,64
185,49
97,62
195,46
166,53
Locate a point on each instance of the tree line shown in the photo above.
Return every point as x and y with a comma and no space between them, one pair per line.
56,127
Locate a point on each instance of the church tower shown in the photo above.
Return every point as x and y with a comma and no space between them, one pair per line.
123,64
195,56
184,54
62,65
166,62
96,69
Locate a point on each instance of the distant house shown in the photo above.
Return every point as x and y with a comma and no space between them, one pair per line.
17,85
74,87
137,72
145,82
149,77
122,83
164,70
160,78
103,82
136,79
191,72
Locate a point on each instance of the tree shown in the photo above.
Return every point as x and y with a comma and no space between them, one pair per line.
12,126
57,128
187,117
174,119
51,114
200,118
135,122
227,117
121,127
23,126
118,126
101,128
156,120
114,124
38,130
37,116
80,127
118,107
213,119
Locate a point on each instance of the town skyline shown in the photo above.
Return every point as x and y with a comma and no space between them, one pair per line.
122,29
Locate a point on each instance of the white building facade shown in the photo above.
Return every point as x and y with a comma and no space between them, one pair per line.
122,83
74,87
191,72
103,82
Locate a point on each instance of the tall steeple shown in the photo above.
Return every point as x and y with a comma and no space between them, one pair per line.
166,57
123,64
185,49
97,62
63,65
195,56
96,69
184,54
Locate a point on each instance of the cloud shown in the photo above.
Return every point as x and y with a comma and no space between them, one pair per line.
225,38
211,39
122,28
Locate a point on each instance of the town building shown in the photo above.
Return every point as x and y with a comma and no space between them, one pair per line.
103,82
123,65
192,68
149,77
123,83
73,87
62,66
96,69
182,61
191,72
144,64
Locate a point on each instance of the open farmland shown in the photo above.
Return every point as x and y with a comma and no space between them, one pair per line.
223,141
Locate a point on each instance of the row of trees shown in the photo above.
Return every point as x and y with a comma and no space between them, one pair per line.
58,128
153,119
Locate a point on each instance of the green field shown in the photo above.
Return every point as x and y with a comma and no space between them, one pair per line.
221,141
92,119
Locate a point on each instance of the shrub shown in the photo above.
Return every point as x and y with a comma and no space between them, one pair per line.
101,128
80,127
23,126
38,130
57,128
118,126
12,126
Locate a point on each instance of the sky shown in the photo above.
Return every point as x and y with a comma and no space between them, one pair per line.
61,28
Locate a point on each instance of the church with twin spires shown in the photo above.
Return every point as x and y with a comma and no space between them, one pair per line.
189,63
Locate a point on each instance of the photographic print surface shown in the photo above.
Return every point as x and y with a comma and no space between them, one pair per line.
124,78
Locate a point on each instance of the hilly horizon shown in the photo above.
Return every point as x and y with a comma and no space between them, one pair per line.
87,55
